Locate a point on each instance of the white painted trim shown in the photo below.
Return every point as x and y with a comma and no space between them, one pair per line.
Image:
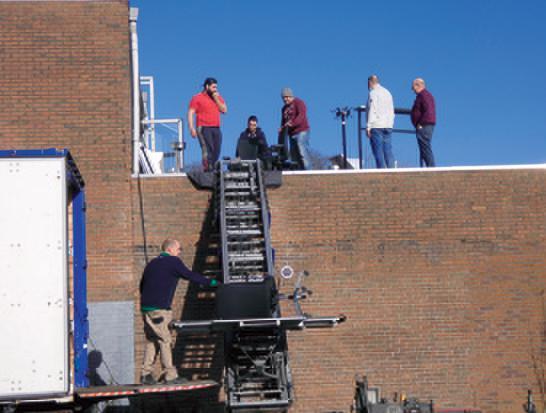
169,175
375,171
423,170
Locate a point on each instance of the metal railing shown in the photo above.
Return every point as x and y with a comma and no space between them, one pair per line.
363,109
161,145
166,149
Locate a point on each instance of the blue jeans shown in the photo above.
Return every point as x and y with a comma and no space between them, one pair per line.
380,140
299,149
424,138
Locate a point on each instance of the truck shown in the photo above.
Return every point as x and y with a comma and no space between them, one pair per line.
43,288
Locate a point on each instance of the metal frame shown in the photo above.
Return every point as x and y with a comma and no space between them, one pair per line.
81,324
221,200
286,323
149,122
149,81
343,114
180,146
364,109
257,370
265,218
242,182
368,400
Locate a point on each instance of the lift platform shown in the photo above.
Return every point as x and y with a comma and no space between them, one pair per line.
286,323
257,373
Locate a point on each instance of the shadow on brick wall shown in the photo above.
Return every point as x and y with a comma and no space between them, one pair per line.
202,357
199,357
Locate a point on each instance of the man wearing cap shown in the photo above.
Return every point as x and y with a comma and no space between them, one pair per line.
157,288
423,117
207,106
294,123
380,111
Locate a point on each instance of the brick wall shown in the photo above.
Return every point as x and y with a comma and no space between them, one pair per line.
170,207
65,82
439,274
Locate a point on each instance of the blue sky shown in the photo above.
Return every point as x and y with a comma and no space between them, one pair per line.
483,60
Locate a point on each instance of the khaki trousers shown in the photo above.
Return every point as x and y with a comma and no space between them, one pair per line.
158,338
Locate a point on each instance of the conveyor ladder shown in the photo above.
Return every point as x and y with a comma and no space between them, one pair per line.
257,373
244,222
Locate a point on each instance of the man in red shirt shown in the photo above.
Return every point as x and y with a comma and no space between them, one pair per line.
207,106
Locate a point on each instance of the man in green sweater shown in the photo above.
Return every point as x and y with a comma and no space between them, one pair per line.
157,288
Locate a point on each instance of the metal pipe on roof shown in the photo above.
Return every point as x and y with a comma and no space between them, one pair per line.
181,147
133,16
359,134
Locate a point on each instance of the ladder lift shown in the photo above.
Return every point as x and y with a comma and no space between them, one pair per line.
257,369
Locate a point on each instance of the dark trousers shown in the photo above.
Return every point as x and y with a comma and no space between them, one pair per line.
283,140
424,138
210,139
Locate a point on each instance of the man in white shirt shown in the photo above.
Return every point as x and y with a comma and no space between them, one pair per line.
380,110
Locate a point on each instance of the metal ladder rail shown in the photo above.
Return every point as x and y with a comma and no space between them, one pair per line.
266,224
237,226
220,188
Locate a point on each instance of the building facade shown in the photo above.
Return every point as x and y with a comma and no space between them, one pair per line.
441,273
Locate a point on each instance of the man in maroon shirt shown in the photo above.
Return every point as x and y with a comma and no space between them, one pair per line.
423,117
294,123
207,106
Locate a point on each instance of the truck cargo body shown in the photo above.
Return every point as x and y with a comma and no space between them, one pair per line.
43,309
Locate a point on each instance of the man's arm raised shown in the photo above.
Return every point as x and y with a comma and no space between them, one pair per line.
220,102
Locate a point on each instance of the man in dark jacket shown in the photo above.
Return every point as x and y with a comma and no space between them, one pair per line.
157,288
252,143
423,117
294,123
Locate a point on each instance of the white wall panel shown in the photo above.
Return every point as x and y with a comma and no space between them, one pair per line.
33,278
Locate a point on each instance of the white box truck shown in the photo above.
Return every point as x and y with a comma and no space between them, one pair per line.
43,306
43,297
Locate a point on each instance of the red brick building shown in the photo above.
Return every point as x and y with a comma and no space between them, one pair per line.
441,273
